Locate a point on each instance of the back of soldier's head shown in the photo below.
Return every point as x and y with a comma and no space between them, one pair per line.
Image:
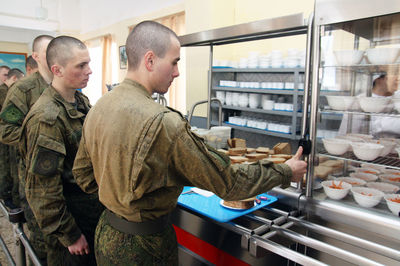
31,63
147,36
39,41
15,72
61,50
4,67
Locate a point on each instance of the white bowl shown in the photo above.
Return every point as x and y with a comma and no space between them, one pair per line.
379,168
348,57
361,136
355,182
391,171
374,104
389,178
394,207
384,187
382,56
366,151
341,103
364,176
334,193
367,197
336,146
388,146
396,104
368,170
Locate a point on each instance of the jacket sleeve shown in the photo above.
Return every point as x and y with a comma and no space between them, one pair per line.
44,187
12,115
83,168
204,167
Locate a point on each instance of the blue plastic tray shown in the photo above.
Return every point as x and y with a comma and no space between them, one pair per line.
211,207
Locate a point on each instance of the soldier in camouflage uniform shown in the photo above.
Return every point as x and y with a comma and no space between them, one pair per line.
20,98
50,139
5,178
8,154
138,155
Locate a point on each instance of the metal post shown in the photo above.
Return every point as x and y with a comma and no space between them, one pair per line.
20,248
314,109
209,87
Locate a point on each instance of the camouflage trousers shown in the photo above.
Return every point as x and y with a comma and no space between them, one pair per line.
86,210
9,174
116,248
36,238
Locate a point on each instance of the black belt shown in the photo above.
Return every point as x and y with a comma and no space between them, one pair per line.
137,228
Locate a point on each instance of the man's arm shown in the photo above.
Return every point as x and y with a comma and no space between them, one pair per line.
13,113
83,168
44,187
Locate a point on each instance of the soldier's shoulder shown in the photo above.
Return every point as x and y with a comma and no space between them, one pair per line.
27,83
45,110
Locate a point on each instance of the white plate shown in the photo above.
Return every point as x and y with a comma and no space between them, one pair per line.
233,208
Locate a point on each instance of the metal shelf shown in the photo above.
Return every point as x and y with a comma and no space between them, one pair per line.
333,112
388,161
367,68
258,131
264,91
258,70
262,111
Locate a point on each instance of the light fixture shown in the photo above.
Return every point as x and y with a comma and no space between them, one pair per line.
41,12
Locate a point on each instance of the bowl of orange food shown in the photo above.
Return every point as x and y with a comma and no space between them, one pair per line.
367,197
390,178
355,182
393,203
364,176
336,189
384,187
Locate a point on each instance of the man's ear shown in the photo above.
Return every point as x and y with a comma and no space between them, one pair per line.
56,70
35,56
149,60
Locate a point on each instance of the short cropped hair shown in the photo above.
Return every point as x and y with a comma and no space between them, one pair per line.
15,72
31,62
37,42
60,50
4,66
147,36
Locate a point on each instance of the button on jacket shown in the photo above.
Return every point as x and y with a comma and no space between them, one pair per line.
139,155
20,98
50,138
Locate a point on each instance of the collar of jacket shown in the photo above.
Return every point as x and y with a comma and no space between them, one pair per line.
71,111
141,88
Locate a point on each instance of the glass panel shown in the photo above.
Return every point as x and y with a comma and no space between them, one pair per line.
359,107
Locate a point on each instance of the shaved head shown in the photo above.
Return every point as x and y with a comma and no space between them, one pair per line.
60,50
15,72
38,41
147,36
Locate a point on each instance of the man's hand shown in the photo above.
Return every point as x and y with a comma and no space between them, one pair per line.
299,167
80,247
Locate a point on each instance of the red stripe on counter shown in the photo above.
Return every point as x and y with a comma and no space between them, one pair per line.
206,250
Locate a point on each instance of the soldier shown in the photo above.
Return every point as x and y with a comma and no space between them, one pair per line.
20,98
138,155
8,166
3,73
50,138
30,65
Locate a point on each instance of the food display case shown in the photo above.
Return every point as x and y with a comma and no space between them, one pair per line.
343,213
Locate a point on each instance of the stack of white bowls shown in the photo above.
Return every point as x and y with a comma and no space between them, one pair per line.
252,61
264,61
235,98
220,95
276,59
254,100
228,98
243,99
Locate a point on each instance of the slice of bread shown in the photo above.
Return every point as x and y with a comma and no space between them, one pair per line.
263,150
238,159
282,148
237,151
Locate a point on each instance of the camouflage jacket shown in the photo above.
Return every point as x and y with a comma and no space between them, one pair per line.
139,155
3,93
20,98
50,138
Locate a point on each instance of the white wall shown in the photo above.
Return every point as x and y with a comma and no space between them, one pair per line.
110,12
